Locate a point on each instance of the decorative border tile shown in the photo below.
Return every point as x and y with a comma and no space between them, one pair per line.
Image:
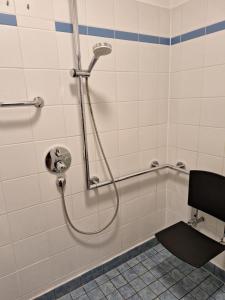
64,27
6,19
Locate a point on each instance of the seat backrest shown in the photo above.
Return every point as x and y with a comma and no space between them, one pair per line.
207,193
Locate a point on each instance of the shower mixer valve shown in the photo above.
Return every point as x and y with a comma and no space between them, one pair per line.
58,160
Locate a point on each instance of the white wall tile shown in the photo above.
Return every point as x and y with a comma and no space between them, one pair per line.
126,15
9,9
67,59
36,8
128,115
50,123
24,164
9,287
38,250
100,13
187,137
10,49
12,78
45,84
128,141
35,276
62,10
15,126
215,11
126,56
4,232
194,14
27,222
127,86
102,86
148,19
39,48
22,192
7,260
212,141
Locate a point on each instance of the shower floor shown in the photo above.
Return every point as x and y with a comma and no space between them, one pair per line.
154,274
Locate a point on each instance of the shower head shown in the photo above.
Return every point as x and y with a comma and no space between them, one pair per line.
100,49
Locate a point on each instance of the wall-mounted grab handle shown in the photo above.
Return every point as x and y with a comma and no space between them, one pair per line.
38,102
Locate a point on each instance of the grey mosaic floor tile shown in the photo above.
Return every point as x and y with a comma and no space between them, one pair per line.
178,291
101,279
135,297
147,294
155,274
158,272
77,293
90,286
167,280
157,287
139,269
188,297
112,273
150,252
199,294
119,281
138,284
159,248
167,296
126,291
219,295
210,285
158,258
65,297
96,294
107,288
176,275
198,275
115,296
129,275
188,284
124,267
84,297
134,261
141,257
149,263
148,278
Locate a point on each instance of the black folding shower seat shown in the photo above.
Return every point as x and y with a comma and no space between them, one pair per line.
206,193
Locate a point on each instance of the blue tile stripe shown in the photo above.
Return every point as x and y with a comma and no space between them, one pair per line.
64,27
6,19
102,32
123,35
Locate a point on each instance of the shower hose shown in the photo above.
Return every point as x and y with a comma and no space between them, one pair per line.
62,181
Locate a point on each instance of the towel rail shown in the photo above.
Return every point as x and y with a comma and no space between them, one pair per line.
38,102
180,167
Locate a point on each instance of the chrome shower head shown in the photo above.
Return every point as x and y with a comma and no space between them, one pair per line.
100,49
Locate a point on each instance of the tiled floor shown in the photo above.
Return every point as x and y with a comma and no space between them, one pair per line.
154,274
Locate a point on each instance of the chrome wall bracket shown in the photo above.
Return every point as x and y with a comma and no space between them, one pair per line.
196,220
79,73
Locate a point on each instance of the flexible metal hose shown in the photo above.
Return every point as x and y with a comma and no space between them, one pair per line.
62,181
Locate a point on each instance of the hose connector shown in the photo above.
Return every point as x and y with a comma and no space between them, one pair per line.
61,182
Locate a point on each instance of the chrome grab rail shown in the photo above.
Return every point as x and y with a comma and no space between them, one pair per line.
38,102
180,167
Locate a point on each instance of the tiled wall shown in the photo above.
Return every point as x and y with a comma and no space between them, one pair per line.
129,89
197,102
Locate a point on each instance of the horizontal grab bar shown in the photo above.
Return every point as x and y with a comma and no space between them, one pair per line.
180,167
38,102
